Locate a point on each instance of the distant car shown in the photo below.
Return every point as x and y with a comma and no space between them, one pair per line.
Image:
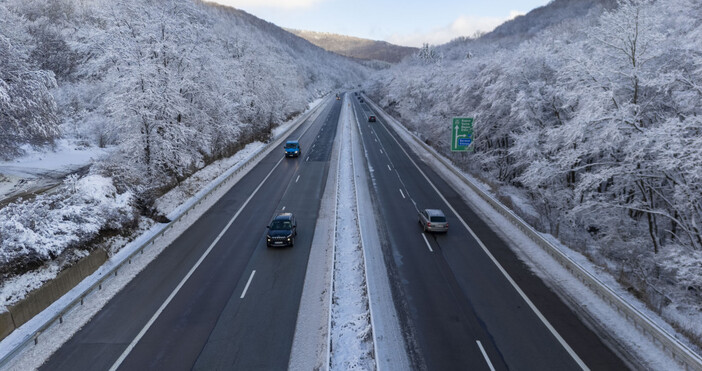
292,148
282,230
361,100
371,118
433,220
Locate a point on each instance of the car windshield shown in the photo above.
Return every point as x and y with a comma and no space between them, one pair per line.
281,224
290,145
438,219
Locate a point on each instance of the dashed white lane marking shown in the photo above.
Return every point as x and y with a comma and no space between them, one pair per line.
389,168
247,284
298,178
283,209
427,242
402,193
163,306
487,359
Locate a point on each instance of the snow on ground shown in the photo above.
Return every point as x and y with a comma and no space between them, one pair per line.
38,169
51,339
576,294
189,187
351,332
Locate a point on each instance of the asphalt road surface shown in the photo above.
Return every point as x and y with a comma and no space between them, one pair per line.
224,316
458,310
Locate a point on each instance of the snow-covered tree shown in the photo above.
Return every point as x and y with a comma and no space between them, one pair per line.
27,108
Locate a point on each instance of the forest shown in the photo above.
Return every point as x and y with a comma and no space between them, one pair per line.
589,128
166,87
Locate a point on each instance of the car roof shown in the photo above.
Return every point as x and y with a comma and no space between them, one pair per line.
292,142
434,212
283,216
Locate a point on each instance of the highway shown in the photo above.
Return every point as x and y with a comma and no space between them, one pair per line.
458,309
219,299
224,316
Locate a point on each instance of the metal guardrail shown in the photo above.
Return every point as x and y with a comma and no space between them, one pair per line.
679,351
113,271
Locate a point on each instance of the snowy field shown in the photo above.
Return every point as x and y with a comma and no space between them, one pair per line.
40,170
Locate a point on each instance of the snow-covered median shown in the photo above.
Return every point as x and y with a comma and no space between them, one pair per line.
351,331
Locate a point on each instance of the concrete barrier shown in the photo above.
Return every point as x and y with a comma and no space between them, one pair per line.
6,324
39,299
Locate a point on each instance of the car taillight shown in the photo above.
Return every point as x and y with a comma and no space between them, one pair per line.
428,224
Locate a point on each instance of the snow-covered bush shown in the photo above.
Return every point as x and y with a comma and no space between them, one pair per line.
38,230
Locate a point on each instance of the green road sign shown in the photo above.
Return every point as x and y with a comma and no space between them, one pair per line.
462,133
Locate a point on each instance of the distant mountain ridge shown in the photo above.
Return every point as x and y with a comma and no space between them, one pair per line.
526,26
356,47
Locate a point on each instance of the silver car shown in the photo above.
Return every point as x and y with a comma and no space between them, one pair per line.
433,220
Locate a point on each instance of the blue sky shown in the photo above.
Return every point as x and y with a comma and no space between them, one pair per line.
409,22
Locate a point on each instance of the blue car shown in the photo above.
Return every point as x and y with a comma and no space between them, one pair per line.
292,148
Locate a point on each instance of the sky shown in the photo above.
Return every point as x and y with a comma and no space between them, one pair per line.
409,22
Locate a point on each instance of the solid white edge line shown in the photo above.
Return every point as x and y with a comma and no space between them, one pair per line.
487,359
143,331
521,293
246,288
427,241
402,193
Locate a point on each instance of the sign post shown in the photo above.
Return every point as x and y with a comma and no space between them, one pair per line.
462,134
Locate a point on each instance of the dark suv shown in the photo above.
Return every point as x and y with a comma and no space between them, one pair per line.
282,230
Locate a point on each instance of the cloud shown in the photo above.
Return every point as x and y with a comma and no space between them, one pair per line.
274,4
462,26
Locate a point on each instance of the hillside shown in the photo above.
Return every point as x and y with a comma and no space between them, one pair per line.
161,88
587,122
355,47
541,18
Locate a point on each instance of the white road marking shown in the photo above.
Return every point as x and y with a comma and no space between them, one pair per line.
402,193
427,241
163,306
283,209
389,168
521,293
296,179
307,159
381,151
487,359
246,288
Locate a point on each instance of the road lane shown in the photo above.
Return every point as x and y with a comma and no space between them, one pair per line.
178,336
514,335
